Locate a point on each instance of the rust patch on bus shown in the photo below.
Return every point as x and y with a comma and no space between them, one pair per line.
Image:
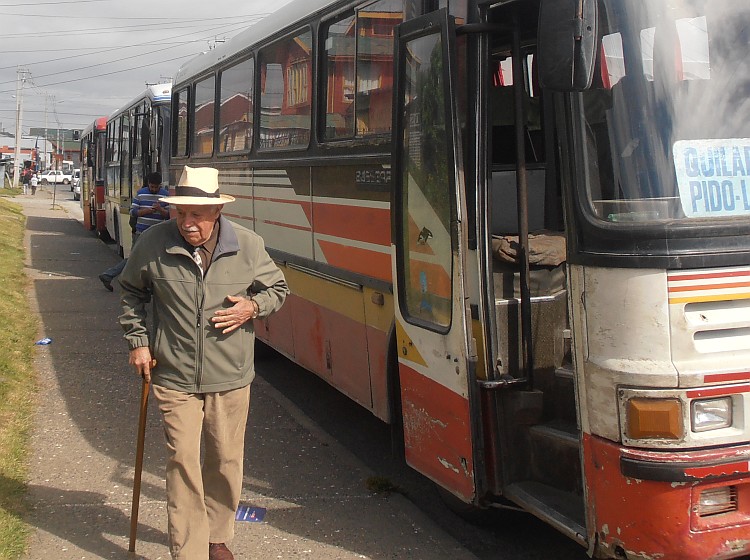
437,432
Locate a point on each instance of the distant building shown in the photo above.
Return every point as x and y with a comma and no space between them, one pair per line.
65,144
33,149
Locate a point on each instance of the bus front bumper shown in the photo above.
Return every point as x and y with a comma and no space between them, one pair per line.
686,505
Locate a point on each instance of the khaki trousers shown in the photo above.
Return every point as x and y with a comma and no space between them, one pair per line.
202,500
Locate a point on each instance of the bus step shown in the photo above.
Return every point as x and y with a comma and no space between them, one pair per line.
562,510
567,434
562,400
555,455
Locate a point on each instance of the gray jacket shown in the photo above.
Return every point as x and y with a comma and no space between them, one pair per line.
192,355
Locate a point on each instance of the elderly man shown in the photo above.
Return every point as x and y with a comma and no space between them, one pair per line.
206,278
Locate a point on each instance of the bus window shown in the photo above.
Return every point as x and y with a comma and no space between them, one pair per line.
236,109
285,93
339,72
125,151
375,24
181,123
137,123
203,119
428,243
504,211
503,123
116,140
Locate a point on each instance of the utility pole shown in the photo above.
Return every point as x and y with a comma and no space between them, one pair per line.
46,157
17,163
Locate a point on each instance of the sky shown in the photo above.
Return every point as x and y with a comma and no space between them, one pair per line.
87,58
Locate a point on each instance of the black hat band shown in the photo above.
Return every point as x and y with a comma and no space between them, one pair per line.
195,191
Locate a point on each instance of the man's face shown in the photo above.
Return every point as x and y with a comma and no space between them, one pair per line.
196,222
154,188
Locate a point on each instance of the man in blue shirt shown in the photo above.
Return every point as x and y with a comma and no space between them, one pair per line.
145,211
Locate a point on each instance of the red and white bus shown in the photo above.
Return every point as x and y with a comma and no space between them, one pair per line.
93,140
518,231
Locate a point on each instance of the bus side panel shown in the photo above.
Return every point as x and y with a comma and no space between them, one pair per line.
277,331
351,219
377,348
379,318
239,184
437,419
330,335
283,209
657,519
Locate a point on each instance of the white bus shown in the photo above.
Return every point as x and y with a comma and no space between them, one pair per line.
136,145
519,232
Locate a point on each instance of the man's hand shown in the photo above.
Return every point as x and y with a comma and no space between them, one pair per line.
233,318
143,362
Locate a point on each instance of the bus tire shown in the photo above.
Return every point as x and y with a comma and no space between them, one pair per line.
263,351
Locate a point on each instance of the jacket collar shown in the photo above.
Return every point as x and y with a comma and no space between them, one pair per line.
227,242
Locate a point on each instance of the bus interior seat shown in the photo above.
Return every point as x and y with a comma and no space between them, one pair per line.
547,249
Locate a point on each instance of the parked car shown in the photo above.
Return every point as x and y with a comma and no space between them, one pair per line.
76,182
55,177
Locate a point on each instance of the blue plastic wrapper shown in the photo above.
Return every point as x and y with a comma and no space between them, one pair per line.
250,513
43,342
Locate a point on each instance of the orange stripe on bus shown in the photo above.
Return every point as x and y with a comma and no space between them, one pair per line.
288,226
708,275
238,216
354,259
370,225
714,297
697,288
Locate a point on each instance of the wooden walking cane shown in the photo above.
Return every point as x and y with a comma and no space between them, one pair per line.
139,460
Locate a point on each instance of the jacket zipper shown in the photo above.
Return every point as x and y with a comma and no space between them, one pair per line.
200,301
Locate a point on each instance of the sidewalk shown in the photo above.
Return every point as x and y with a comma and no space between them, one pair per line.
83,444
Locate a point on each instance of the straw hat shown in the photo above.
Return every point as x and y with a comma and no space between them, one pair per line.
198,186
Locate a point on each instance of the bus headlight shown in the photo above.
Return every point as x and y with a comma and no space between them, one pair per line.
711,414
655,418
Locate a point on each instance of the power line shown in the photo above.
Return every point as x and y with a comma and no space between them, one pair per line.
107,73
19,4
177,44
99,30
240,24
162,18
27,111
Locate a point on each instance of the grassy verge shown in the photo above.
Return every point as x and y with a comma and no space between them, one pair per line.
17,381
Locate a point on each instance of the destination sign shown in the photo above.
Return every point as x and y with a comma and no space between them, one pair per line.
713,176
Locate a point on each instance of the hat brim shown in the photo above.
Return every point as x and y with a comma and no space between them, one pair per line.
197,200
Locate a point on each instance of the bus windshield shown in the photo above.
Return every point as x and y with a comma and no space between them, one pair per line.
667,119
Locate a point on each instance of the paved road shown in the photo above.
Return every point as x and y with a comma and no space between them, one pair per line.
309,453
83,443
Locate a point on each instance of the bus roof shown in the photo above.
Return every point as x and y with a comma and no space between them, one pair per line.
99,124
158,94
284,18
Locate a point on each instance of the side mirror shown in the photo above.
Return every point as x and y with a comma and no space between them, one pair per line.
567,44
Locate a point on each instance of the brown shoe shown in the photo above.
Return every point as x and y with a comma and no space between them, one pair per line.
219,551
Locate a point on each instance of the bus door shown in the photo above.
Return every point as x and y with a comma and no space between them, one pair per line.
436,353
